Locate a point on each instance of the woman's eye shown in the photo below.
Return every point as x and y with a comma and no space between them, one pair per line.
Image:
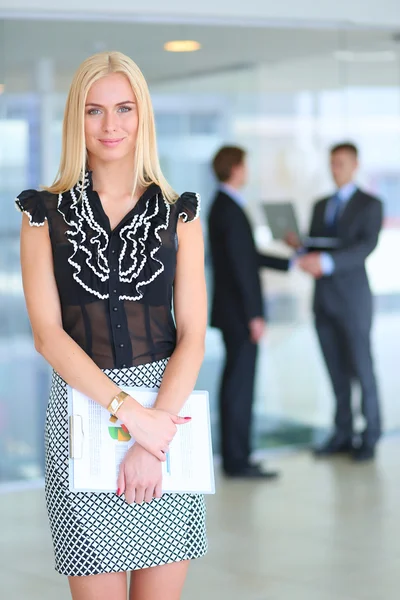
97,111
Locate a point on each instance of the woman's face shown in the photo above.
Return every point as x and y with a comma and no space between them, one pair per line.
111,119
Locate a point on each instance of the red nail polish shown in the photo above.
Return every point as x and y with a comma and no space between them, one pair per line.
124,428
118,492
187,418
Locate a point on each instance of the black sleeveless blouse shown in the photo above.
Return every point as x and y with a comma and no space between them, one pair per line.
115,286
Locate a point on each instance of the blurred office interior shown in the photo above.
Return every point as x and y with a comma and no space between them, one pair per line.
285,92
285,80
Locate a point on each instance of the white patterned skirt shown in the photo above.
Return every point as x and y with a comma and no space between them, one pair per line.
99,532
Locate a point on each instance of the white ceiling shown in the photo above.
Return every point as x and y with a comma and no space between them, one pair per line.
223,49
385,12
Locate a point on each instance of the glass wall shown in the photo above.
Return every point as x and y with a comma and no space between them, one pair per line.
285,95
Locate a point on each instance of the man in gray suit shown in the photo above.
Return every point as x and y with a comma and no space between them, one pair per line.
343,301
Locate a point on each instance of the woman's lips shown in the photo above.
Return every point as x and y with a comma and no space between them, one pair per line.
111,143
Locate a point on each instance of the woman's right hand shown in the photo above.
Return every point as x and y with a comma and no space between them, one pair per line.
153,428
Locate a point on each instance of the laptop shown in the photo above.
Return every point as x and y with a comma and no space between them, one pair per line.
282,219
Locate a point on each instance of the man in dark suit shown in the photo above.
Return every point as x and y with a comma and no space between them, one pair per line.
237,309
343,301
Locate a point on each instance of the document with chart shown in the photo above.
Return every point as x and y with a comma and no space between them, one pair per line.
97,445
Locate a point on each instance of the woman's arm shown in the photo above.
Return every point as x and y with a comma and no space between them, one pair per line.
154,428
190,307
42,300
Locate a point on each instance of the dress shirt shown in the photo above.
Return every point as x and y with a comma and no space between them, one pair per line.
344,193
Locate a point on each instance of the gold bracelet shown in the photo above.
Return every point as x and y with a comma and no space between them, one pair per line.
116,404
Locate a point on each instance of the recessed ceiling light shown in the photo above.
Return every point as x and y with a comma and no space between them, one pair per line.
182,46
378,56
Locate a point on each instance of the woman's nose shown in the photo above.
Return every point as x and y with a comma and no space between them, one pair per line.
109,123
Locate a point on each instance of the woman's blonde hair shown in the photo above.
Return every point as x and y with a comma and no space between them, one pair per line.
73,157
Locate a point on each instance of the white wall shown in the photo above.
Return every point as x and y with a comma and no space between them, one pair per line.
374,13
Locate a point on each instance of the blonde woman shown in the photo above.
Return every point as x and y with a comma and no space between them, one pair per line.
104,251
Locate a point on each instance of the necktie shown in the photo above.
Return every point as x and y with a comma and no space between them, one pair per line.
332,221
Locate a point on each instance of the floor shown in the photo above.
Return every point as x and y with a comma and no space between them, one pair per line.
328,530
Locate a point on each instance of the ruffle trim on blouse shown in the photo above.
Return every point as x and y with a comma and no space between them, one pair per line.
31,203
138,264
87,262
189,206
140,241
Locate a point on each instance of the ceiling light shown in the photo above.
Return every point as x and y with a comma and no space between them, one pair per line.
182,46
378,56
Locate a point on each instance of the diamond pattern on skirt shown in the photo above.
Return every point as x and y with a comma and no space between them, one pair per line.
100,533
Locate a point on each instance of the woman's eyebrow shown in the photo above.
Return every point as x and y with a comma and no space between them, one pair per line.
118,104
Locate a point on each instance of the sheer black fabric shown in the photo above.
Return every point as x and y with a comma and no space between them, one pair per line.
115,287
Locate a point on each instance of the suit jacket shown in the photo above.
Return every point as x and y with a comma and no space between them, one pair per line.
347,289
237,296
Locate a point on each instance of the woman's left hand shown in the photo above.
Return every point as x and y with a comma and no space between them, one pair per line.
140,476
